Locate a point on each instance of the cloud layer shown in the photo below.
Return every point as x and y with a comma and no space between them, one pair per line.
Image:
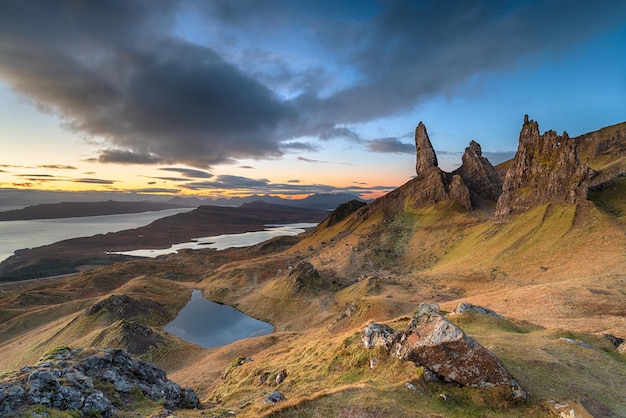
200,84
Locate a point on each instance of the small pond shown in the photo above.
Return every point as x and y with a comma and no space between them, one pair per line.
209,324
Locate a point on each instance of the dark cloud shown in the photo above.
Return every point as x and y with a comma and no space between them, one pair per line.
390,145
189,172
313,161
120,70
249,185
35,175
294,181
127,157
248,167
178,179
57,167
155,190
300,146
310,160
340,132
93,181
230,182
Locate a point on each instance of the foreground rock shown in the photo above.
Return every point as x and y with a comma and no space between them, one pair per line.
72,379
439,346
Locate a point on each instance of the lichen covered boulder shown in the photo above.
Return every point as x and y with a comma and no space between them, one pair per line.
439,346
69,379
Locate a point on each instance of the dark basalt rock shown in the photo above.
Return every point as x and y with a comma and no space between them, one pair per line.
546,169
343,211
68,380
425,153
478,174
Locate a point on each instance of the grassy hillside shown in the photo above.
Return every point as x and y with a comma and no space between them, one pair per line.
557,273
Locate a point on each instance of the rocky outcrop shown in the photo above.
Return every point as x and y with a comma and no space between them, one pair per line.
304,275
439,346
342,212
478,174
458,191
69,379
425,153
546,169
467,308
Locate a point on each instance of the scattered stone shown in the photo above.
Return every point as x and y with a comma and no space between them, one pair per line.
621,348
263,378
580,343
430,376
280,377
275,397
373,362
466,307
69,384
412,387
436,344
374,335
615,341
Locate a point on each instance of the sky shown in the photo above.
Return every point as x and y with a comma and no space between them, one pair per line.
238,97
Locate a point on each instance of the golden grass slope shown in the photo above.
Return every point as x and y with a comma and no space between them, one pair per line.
556,271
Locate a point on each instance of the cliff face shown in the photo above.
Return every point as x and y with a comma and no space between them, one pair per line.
546,168
433,185
478,173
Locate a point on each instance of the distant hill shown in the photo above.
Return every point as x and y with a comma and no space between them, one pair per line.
65,256
82,209
322,201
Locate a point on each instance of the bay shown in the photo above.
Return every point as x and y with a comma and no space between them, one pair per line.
15,235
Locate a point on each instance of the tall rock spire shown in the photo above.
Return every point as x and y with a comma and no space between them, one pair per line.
546,169
426,157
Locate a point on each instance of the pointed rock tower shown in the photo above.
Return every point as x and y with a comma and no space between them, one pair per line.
478,173
546,169
425,153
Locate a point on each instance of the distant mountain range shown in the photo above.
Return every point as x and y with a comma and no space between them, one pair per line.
323,201
111,207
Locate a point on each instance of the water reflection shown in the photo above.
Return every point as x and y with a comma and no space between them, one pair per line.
209,324
221,242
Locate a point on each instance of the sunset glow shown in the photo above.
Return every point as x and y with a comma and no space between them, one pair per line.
195,99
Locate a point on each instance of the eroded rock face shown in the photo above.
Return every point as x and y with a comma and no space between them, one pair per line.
546,169
478,174
343,211
68,380
304,275
435,343
426,157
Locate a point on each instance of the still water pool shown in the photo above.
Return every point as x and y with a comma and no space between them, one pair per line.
209,324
